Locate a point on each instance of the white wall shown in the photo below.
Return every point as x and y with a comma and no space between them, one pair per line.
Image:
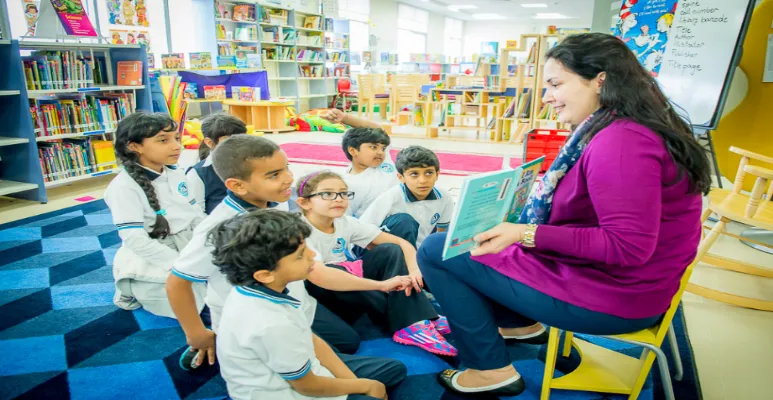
436,34
383,24
489,31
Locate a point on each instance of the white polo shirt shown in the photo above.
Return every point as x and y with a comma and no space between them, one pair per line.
333,248
434,211
264,341
135,218
369,184
196,184
195,261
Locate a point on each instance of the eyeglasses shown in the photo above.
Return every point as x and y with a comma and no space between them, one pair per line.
332,195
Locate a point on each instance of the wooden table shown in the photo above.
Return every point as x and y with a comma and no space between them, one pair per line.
267,116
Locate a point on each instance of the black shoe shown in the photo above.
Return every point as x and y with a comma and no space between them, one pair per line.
541,338
188,359
510,387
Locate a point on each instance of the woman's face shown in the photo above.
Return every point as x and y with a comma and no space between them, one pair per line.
571,96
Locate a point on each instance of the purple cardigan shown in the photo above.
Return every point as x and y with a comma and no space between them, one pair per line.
620,234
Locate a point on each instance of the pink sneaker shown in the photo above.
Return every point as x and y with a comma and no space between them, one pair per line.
441,324
424,336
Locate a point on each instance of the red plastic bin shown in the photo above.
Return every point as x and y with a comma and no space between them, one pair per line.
544,142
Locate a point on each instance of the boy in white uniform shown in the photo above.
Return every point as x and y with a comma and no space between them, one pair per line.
416,208
265,343
256,173
372,171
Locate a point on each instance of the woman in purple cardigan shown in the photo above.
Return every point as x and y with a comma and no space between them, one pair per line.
605,237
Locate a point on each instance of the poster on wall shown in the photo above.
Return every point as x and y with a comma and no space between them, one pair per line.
31,9
73,17
644,27
128,13
122,36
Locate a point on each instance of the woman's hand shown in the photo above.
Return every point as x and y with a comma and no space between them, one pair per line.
498,238
395,284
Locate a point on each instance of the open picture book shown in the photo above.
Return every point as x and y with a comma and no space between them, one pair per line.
487,200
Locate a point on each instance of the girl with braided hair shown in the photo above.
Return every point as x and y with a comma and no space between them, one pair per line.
151,207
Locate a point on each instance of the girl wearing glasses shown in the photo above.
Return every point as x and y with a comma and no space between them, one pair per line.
323,198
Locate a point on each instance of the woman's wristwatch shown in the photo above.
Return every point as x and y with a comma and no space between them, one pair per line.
528,235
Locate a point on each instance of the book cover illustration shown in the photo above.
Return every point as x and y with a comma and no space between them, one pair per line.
173,61
644,26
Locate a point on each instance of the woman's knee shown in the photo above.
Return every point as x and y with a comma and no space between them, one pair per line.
430,253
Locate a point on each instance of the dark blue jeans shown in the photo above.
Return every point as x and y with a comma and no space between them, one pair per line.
477,300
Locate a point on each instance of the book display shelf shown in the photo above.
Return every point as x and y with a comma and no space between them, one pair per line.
60,105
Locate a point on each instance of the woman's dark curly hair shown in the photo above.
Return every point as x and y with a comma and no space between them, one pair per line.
255,241
134,129
629,91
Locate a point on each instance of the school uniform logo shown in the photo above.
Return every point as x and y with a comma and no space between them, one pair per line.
183,189
340,246
388,168
434,219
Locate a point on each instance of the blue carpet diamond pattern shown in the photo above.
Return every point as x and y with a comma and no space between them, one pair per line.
62,337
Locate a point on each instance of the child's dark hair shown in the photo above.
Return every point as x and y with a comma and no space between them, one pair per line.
356,137
416,157
233,158
218,125
307,184
134,129
255,241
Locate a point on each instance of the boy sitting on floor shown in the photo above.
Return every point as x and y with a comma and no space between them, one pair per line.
204,185
416,208
372,172
265,344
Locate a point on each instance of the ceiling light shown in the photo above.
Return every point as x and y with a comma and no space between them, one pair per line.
488,16
462,7
534,5
551,16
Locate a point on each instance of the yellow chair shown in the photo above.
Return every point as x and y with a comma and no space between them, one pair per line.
372,91
607,371
752,210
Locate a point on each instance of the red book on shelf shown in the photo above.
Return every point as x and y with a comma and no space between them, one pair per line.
129,73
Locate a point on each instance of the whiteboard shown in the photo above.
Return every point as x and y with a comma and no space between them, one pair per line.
694,60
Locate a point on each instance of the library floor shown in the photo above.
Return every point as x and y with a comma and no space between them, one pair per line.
732,345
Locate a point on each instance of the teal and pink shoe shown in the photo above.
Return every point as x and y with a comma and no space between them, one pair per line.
424,336
441,325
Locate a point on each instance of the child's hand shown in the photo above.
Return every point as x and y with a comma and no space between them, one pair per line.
374,389
204,342
417,281
396,283
334,115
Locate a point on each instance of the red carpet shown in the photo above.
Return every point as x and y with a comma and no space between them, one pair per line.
450,163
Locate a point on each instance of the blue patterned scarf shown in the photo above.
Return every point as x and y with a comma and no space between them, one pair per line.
540,202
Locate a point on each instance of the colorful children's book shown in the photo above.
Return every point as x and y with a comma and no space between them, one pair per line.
226,61
241,59
173,61
487,200
191,91
214,92
245,93
201,60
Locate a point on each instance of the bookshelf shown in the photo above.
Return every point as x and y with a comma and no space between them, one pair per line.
519,72
543,115
57,135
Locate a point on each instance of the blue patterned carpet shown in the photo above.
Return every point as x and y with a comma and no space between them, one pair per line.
61,337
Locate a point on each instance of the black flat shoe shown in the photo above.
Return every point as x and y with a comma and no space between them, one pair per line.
540,338
188,359
511,387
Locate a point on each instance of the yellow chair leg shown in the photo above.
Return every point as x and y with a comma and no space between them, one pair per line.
568,337
648,359
550,363
704,217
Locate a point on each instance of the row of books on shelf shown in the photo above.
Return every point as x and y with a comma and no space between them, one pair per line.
274,16
433,58
310,71
278,53
339,71
309,40
75,157
313,22
278,34
242,59
232,49
338,57
218,92
248,33
62,70
73,114
309,55
339,42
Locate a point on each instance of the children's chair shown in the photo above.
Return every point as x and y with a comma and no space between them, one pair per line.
344,91
748,209
607,371
404,90
372,92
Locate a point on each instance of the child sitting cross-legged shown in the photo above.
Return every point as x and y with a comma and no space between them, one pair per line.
324,197
205,186
416,208
265,343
